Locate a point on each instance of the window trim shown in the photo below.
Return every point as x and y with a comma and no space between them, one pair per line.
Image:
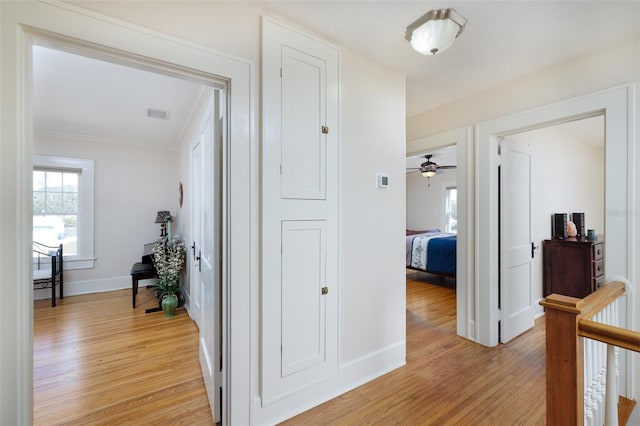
448,187
85,259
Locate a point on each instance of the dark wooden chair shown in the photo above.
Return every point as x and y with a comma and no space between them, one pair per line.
48,269
140,271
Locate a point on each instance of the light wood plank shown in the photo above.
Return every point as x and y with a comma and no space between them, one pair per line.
98,361
447,379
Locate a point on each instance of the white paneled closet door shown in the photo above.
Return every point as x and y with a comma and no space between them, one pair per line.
300,212
206,248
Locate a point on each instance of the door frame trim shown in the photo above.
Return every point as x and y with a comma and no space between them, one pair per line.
465,283
20,23
617,104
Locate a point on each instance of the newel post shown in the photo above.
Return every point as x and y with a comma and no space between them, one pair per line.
564,361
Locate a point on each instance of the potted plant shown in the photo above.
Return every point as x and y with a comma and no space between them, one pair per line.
168,258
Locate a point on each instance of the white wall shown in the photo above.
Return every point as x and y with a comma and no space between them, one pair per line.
231,27
568,176
372,220
619,64
426,200
131,185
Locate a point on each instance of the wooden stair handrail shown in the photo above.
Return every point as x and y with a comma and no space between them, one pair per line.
609,334
568,321
598,300
590,305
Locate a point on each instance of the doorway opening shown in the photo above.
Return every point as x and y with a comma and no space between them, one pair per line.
431,209
458,147
431,238
137,179
553,169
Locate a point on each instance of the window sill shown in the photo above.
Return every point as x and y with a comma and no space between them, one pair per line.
79,263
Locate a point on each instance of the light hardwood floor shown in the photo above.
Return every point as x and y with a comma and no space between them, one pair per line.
97,361
448,380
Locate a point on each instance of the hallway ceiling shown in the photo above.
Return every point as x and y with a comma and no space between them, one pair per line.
502,41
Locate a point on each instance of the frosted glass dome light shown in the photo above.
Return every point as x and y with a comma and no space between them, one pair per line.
435,31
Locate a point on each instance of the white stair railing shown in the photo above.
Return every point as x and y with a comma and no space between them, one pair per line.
601,373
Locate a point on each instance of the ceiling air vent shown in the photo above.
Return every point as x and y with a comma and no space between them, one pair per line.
157,113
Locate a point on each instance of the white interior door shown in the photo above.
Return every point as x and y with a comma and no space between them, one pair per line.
208,257
516,252
195,284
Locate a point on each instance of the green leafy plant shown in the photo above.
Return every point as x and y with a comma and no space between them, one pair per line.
168,258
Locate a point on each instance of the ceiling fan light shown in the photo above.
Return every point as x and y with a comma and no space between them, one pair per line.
428,173
435,31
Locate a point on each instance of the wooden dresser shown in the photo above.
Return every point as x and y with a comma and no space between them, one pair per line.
573,267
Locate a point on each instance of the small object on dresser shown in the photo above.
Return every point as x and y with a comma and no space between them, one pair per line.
559,226
578,219
572,231
591,235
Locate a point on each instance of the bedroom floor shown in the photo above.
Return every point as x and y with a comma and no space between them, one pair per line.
98,361
448,380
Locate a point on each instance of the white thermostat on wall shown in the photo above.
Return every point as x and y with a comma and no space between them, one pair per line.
382,181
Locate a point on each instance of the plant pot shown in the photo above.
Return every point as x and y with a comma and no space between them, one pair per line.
169,304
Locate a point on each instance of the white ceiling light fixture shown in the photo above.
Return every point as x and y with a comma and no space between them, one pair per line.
435,31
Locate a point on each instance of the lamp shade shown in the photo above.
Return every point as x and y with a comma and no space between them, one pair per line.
428,174
163,216
435,31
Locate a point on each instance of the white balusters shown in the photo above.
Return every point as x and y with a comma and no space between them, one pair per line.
600,374
589,405
611,410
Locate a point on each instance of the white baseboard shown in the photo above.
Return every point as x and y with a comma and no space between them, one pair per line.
74,288
350,376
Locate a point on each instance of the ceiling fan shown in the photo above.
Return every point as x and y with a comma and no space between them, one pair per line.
429,168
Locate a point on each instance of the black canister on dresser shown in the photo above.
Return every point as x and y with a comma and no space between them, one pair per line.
572,267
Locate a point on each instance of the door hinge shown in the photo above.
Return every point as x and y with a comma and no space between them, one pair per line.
280,168
325,130
325,290
280,72
499,315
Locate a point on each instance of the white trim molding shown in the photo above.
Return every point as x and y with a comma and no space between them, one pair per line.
621,213
56,23
85,257
466,291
